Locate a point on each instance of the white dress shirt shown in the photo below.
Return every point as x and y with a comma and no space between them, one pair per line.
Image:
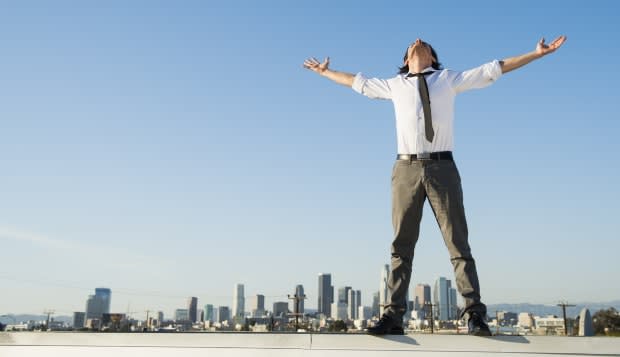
443,86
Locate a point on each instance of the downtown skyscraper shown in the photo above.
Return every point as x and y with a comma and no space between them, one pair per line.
444,299
192,308
326,294
238,307
298,305
98,304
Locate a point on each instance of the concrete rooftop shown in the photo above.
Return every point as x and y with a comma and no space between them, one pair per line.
72,344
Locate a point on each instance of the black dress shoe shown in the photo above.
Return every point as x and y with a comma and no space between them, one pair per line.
387,326
477,326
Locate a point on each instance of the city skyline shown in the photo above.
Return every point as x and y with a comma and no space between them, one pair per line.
172,150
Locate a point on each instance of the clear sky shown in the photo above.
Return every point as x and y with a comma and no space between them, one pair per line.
172,149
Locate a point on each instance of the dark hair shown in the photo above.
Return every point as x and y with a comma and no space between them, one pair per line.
436,64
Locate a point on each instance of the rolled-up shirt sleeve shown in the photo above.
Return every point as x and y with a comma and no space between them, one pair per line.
478,77
372,87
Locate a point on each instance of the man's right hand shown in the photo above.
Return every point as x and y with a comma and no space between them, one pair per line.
343,78
314,65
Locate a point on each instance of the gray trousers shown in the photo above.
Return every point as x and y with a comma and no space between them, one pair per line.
439,181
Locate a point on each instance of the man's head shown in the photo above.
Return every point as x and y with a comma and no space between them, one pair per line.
420,53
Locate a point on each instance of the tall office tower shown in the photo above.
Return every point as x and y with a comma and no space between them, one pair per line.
326,294
160,318
441,298
280,309
209,315
192,308
298,307
358,300
422,297
238,309
105,295
223,314
343,294
339,311
78,320
453,308
351,303
374,310
383,288
98,304
258,305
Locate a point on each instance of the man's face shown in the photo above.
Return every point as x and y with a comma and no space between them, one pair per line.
420,50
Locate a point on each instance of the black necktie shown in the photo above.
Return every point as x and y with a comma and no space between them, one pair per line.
426,104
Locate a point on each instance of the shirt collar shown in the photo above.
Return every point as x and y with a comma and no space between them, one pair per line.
427,69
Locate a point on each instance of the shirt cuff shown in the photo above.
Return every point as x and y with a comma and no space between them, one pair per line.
358,82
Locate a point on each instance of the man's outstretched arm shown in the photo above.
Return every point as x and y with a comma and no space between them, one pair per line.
541,50
346,79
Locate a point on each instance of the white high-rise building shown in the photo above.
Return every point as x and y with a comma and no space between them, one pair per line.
339,311
383,288
238,306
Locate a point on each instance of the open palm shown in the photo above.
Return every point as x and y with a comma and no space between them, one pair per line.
544,49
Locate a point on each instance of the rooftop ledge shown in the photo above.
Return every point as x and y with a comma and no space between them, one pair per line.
73,344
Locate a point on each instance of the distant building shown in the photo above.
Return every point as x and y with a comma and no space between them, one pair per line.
326,294
258,306
181,315
238,308
299,307
526,320
160,318
375,304
79,318
364,313
209,314
505,318
192,308
280,309
339,311
98,304
383,288
343,294
444,300
550,325
223,314
421,299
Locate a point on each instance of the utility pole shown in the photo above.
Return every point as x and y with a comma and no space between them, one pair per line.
297,299
564,305
430,306
48,313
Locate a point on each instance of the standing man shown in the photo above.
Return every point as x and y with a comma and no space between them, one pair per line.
423,95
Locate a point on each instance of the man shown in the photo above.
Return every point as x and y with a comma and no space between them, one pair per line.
423,96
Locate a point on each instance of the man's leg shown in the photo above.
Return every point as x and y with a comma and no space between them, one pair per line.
443,186
407,201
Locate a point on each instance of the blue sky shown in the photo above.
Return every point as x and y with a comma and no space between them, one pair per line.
167,150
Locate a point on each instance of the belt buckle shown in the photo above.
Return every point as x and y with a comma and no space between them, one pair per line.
424,156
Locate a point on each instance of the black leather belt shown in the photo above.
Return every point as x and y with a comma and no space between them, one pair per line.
441,155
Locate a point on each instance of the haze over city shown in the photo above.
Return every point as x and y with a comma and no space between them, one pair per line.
167,151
